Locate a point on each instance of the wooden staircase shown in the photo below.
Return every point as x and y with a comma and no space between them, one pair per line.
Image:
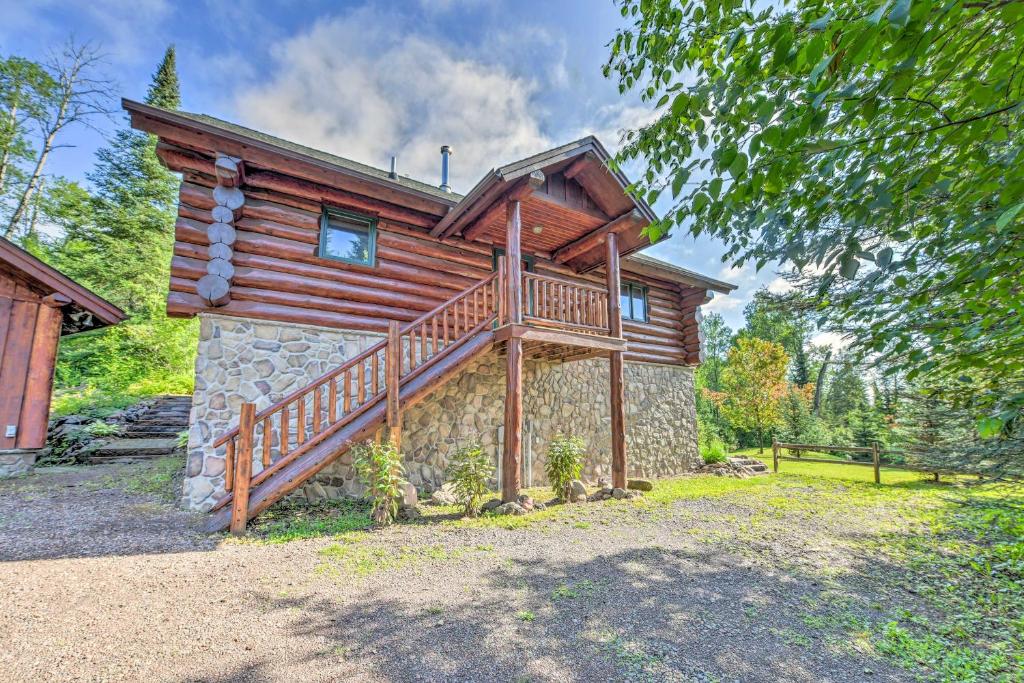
308,429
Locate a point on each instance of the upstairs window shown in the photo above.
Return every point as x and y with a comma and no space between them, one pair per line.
634,302
348,237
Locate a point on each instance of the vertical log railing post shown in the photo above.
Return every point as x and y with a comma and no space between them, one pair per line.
775,456
393,371
618,392
243,469
514,369
876,463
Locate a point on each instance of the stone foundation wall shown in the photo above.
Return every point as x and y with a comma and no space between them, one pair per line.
17,463
243,360
250,360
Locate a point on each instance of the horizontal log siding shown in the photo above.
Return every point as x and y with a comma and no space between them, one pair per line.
278,275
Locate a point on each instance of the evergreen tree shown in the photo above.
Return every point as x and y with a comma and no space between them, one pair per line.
118,241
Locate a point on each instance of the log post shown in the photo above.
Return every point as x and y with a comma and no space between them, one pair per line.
514,265
392,378
514,369
875,462
618,397
243,469
775,456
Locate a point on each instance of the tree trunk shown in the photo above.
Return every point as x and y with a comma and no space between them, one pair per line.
33,182
6,157
820,383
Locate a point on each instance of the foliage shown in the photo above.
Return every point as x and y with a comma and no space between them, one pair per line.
379,468
711,448
100,428
564,463
753,384
797,423
287,521
470,470
874,146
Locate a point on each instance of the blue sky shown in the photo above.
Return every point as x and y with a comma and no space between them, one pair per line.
496,80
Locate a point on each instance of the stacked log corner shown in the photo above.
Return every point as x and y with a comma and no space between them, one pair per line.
215,286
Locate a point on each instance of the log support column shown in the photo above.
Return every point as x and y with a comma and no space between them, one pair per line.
618,398
514,369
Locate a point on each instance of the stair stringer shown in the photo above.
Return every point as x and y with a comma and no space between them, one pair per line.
361,428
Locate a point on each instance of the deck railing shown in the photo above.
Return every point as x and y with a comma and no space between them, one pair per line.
557,302
290,427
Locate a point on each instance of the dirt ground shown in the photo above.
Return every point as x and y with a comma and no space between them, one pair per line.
104,581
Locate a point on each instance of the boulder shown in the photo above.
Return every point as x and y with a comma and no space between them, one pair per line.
526,502
492,504
409,495
640,485
577,491
619,494
601,494
409,513
511,509
444,495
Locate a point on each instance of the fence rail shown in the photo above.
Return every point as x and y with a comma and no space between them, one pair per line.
874,450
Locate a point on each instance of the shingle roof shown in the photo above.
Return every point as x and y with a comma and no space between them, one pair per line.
356,166
718,285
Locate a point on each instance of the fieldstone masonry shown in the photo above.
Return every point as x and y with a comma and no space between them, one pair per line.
261,361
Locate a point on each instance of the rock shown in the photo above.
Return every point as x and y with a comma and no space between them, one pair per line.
602,482
577,491
445,495
601,494
511,509
492,504
526,502
618,494
409,512
409,495
640,485
539,506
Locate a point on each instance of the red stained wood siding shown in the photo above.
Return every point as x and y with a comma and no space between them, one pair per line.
29,334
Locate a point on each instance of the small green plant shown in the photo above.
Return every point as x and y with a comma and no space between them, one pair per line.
100,429
470,470
526,615
564,463
379,467
183,439
713,450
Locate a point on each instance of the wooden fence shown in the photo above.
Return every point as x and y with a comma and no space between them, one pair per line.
873,450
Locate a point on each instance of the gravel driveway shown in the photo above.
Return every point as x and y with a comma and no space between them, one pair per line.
104,584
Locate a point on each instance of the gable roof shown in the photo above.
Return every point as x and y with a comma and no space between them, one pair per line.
53,281
675,273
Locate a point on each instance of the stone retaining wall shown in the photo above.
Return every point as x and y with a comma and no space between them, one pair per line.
260,362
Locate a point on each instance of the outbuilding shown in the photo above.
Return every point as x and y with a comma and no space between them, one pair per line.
38,305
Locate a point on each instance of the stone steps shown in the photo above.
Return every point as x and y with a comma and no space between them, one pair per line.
128,450
749,466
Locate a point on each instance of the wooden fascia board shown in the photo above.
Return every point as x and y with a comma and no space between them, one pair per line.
50,278
141,114
596,238
520,190
470,206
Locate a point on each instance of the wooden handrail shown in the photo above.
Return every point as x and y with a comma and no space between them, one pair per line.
439,330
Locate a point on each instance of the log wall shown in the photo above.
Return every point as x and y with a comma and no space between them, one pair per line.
29,334
279,276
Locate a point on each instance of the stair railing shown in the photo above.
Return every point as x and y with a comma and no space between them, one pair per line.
552,301
307,416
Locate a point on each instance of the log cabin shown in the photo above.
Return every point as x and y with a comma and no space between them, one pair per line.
38,305
339,301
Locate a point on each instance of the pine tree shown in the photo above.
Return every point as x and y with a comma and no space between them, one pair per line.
118,241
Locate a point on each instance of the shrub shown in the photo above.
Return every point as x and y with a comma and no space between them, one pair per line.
101,429
713,450
379,467
470,471
564,463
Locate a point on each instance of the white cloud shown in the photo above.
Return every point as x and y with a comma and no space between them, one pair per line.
780,285
365,86
838,342
722,303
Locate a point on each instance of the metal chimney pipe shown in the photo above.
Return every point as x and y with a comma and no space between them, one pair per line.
393,174
446,153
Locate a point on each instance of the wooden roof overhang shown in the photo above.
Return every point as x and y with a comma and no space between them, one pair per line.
82,309
190,143
570,199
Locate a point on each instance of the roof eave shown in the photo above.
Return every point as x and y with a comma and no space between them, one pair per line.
185,122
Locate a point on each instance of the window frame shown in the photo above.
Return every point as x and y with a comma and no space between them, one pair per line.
330,212
635,287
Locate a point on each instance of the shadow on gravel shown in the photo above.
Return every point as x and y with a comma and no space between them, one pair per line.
646,614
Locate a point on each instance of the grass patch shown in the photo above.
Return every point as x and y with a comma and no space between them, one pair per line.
583,588
525,615
351,557
294,521
155,478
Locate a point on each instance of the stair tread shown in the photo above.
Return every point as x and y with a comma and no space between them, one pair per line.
137,445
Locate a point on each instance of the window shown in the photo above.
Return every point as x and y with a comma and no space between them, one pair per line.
634,302
348,237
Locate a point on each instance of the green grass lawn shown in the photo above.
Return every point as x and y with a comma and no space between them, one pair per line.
840,471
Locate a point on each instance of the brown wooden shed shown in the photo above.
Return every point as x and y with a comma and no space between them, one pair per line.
38,305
